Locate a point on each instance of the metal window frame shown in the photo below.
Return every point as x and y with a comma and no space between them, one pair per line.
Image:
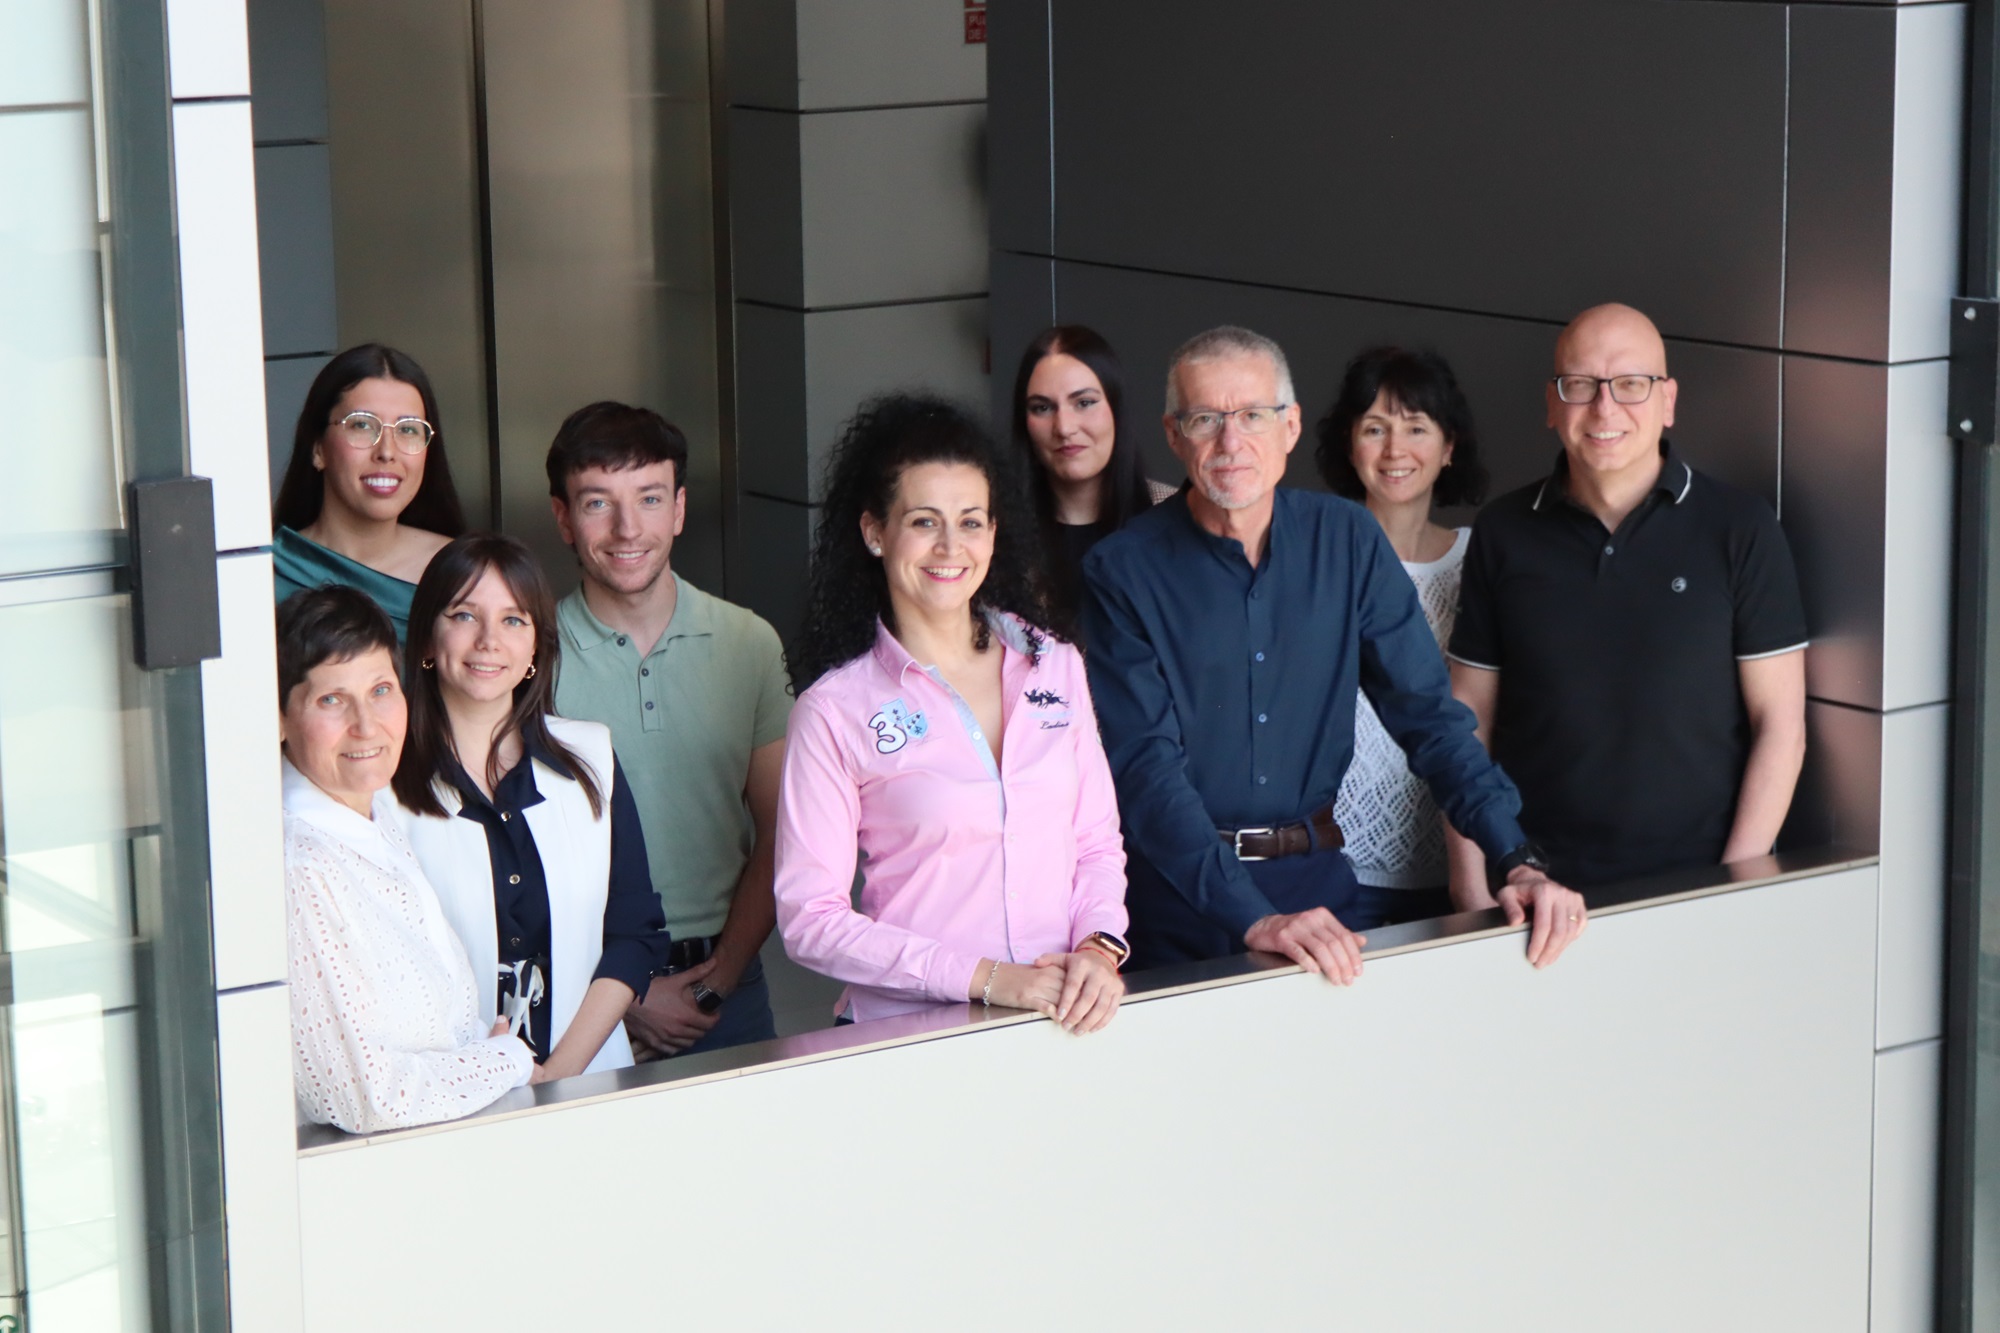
179,1059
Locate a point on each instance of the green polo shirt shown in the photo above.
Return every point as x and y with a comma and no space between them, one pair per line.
684,719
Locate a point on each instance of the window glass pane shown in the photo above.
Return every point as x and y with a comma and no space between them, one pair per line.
79,830
60,507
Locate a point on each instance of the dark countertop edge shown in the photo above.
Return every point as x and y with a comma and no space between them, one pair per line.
1181,979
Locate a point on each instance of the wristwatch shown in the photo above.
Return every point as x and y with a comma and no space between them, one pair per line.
1109,943
1528,854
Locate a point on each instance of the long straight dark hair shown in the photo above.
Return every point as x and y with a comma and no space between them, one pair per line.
1122,488
449,576
434,507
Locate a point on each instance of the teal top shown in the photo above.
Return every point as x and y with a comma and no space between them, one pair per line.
298,563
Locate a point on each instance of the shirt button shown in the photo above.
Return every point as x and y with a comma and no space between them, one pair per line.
645,671
1607,550
513,879
1262,718
976,736
649,705
1261,779
516,941
621,641
505,815
1260,657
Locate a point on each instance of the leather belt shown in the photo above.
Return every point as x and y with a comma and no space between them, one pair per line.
687,953
1319,832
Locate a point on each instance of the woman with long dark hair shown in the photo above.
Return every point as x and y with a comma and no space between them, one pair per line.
1082,462
367,498
387,1029
948,738
1400,439
522,820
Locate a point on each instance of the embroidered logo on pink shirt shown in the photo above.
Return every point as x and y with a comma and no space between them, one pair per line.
896,726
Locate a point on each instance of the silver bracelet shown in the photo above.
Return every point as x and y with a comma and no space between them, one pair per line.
986,992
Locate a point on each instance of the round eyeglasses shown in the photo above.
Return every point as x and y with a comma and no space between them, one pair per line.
363,430
1206,425
1630,390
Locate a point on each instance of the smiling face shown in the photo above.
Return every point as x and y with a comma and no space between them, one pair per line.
375,483
622,524
1235,469
343,727
1603,437
936,541
483,643
1397,454
1069,420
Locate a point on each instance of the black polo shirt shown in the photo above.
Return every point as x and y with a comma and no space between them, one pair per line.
1620,715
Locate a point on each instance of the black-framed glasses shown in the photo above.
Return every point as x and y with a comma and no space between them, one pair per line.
1206,424
363,430
1630,390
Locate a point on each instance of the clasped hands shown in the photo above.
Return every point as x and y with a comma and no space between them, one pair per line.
1080,990
1317,942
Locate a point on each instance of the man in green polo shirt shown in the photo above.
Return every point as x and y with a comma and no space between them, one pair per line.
695,693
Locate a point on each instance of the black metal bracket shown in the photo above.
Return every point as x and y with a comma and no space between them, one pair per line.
1974,395
176,608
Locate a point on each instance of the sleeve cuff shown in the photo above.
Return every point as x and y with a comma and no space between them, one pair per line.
952,976
628,961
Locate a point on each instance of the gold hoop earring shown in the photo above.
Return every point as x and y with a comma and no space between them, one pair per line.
531,672
427,664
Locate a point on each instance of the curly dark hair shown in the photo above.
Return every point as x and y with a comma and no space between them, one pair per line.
1416,381
847,590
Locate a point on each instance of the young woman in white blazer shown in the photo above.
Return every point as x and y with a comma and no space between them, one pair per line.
521,819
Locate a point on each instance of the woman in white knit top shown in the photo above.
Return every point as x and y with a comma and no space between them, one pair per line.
1399,438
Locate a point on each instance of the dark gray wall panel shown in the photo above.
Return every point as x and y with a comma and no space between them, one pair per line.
1842,175
1021,296
1017,131
1836,428
771,402
288,70
285,383
765,210
1531,159
295,249
1728,424
1839,797
761,53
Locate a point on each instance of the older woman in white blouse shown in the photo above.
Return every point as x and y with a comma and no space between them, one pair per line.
386,1026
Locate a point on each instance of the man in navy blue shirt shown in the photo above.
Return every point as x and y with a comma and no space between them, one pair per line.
1228,629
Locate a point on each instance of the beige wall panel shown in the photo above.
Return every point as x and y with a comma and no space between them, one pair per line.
1710,1170
1924,200
1916,756
1902,1262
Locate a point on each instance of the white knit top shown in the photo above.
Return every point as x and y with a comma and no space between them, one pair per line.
1395,837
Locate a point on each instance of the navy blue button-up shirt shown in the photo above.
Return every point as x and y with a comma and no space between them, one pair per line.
1226,692
635,934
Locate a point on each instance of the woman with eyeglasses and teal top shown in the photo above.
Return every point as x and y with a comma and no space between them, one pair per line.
367,499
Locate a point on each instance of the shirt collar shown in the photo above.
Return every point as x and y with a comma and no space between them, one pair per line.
1228,549
371,838
519,783
692,617
1676,477
895,659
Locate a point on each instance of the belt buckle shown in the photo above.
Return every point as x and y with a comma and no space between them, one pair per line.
1236,841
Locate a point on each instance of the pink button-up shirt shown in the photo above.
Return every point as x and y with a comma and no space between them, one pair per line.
962,862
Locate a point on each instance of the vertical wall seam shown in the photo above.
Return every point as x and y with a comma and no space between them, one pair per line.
1784,252
489,317
1049,48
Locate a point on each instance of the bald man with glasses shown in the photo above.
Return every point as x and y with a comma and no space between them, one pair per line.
1228,628
1630,634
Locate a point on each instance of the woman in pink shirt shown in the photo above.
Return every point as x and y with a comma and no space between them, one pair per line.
948,740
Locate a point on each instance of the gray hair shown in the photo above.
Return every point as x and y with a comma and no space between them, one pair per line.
1226,344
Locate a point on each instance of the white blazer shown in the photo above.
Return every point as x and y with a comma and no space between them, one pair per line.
576,859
